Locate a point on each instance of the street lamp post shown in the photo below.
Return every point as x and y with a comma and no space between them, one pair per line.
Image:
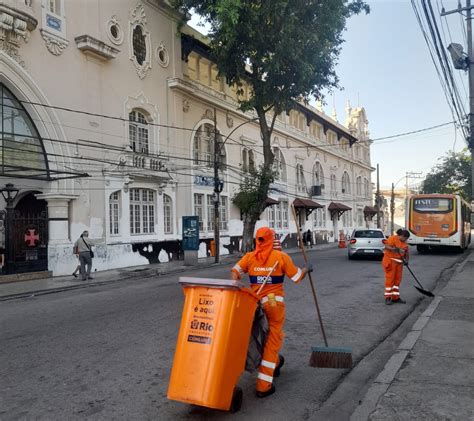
9,193
218,184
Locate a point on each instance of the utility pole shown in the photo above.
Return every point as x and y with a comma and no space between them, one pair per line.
392,209
470,141
217,189
469,66
409,175
377,198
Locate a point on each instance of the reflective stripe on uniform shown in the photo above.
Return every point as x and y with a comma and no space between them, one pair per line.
268,364
297,277
395,293
265,378
388,289
395,288
278,298
238,269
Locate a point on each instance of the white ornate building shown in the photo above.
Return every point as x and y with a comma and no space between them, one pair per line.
107,121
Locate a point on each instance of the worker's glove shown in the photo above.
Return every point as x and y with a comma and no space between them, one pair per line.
405,262
309,268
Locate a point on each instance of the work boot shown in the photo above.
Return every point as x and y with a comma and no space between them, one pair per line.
269,392
400,301
281,362
388,301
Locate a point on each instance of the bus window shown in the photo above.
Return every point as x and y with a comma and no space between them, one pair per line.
433,205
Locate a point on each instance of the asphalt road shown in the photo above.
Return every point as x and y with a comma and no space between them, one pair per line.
106,352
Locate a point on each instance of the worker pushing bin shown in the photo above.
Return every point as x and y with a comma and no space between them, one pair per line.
212,343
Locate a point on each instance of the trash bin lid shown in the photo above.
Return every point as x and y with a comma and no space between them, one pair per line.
213,283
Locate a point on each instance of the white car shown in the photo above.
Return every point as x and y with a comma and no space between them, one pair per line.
366,242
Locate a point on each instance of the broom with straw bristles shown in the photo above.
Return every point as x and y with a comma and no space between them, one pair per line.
324,357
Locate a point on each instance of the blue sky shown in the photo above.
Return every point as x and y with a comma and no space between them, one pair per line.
385,67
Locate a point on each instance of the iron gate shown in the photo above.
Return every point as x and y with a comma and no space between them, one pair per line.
30,241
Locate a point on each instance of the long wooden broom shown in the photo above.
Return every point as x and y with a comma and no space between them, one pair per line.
323,357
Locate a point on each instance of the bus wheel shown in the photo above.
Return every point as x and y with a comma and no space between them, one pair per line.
421,248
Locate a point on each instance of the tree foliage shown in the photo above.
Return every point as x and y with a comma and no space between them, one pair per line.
284,50
452,175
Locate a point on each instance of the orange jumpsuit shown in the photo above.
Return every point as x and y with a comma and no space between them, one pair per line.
258,264
393,269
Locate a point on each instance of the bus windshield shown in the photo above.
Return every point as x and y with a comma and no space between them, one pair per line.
433,205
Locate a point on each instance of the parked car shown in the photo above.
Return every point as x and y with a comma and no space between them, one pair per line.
366,242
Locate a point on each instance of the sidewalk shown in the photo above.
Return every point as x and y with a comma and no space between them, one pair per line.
431,375
19,289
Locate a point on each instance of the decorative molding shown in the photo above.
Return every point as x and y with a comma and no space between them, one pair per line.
208,114
186,105
54,44
229,121
90,45
162,55
137,17
16,22
113,21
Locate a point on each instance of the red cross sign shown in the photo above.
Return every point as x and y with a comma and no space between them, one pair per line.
31,237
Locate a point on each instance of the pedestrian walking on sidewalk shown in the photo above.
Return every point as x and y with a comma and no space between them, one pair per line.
309,238
394,257
78,267
82,248
258,264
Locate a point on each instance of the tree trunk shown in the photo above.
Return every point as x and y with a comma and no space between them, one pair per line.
251,218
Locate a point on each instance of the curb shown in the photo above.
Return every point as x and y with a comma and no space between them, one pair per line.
385,378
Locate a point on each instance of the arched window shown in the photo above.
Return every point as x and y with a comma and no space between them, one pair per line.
168,214
346,183
203,146
359,186
366,188
138,132
300,181
318,174
333,182
248,160
279,165
21,149
114,213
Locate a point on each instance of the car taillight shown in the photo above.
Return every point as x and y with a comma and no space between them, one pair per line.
384,241
353,241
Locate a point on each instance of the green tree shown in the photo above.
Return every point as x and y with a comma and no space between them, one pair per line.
286,51
451,175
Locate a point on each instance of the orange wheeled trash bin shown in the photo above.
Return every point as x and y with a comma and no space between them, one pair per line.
212,343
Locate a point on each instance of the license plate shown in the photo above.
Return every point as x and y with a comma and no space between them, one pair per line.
369,251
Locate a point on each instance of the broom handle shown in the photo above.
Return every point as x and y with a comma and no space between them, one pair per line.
267,278
412,274
313,290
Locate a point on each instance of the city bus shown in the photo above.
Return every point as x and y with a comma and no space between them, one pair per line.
436,220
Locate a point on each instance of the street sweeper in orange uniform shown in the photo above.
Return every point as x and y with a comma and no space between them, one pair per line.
265,260
395,255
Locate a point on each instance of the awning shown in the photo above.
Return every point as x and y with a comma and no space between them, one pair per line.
370,212
337,209
270,202
306,205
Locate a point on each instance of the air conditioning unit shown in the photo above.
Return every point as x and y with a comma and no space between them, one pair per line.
315,190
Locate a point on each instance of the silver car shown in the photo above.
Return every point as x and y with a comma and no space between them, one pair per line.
366,242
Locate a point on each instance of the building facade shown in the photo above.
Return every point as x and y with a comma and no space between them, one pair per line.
107,116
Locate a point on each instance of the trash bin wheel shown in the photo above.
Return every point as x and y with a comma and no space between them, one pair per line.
237,398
